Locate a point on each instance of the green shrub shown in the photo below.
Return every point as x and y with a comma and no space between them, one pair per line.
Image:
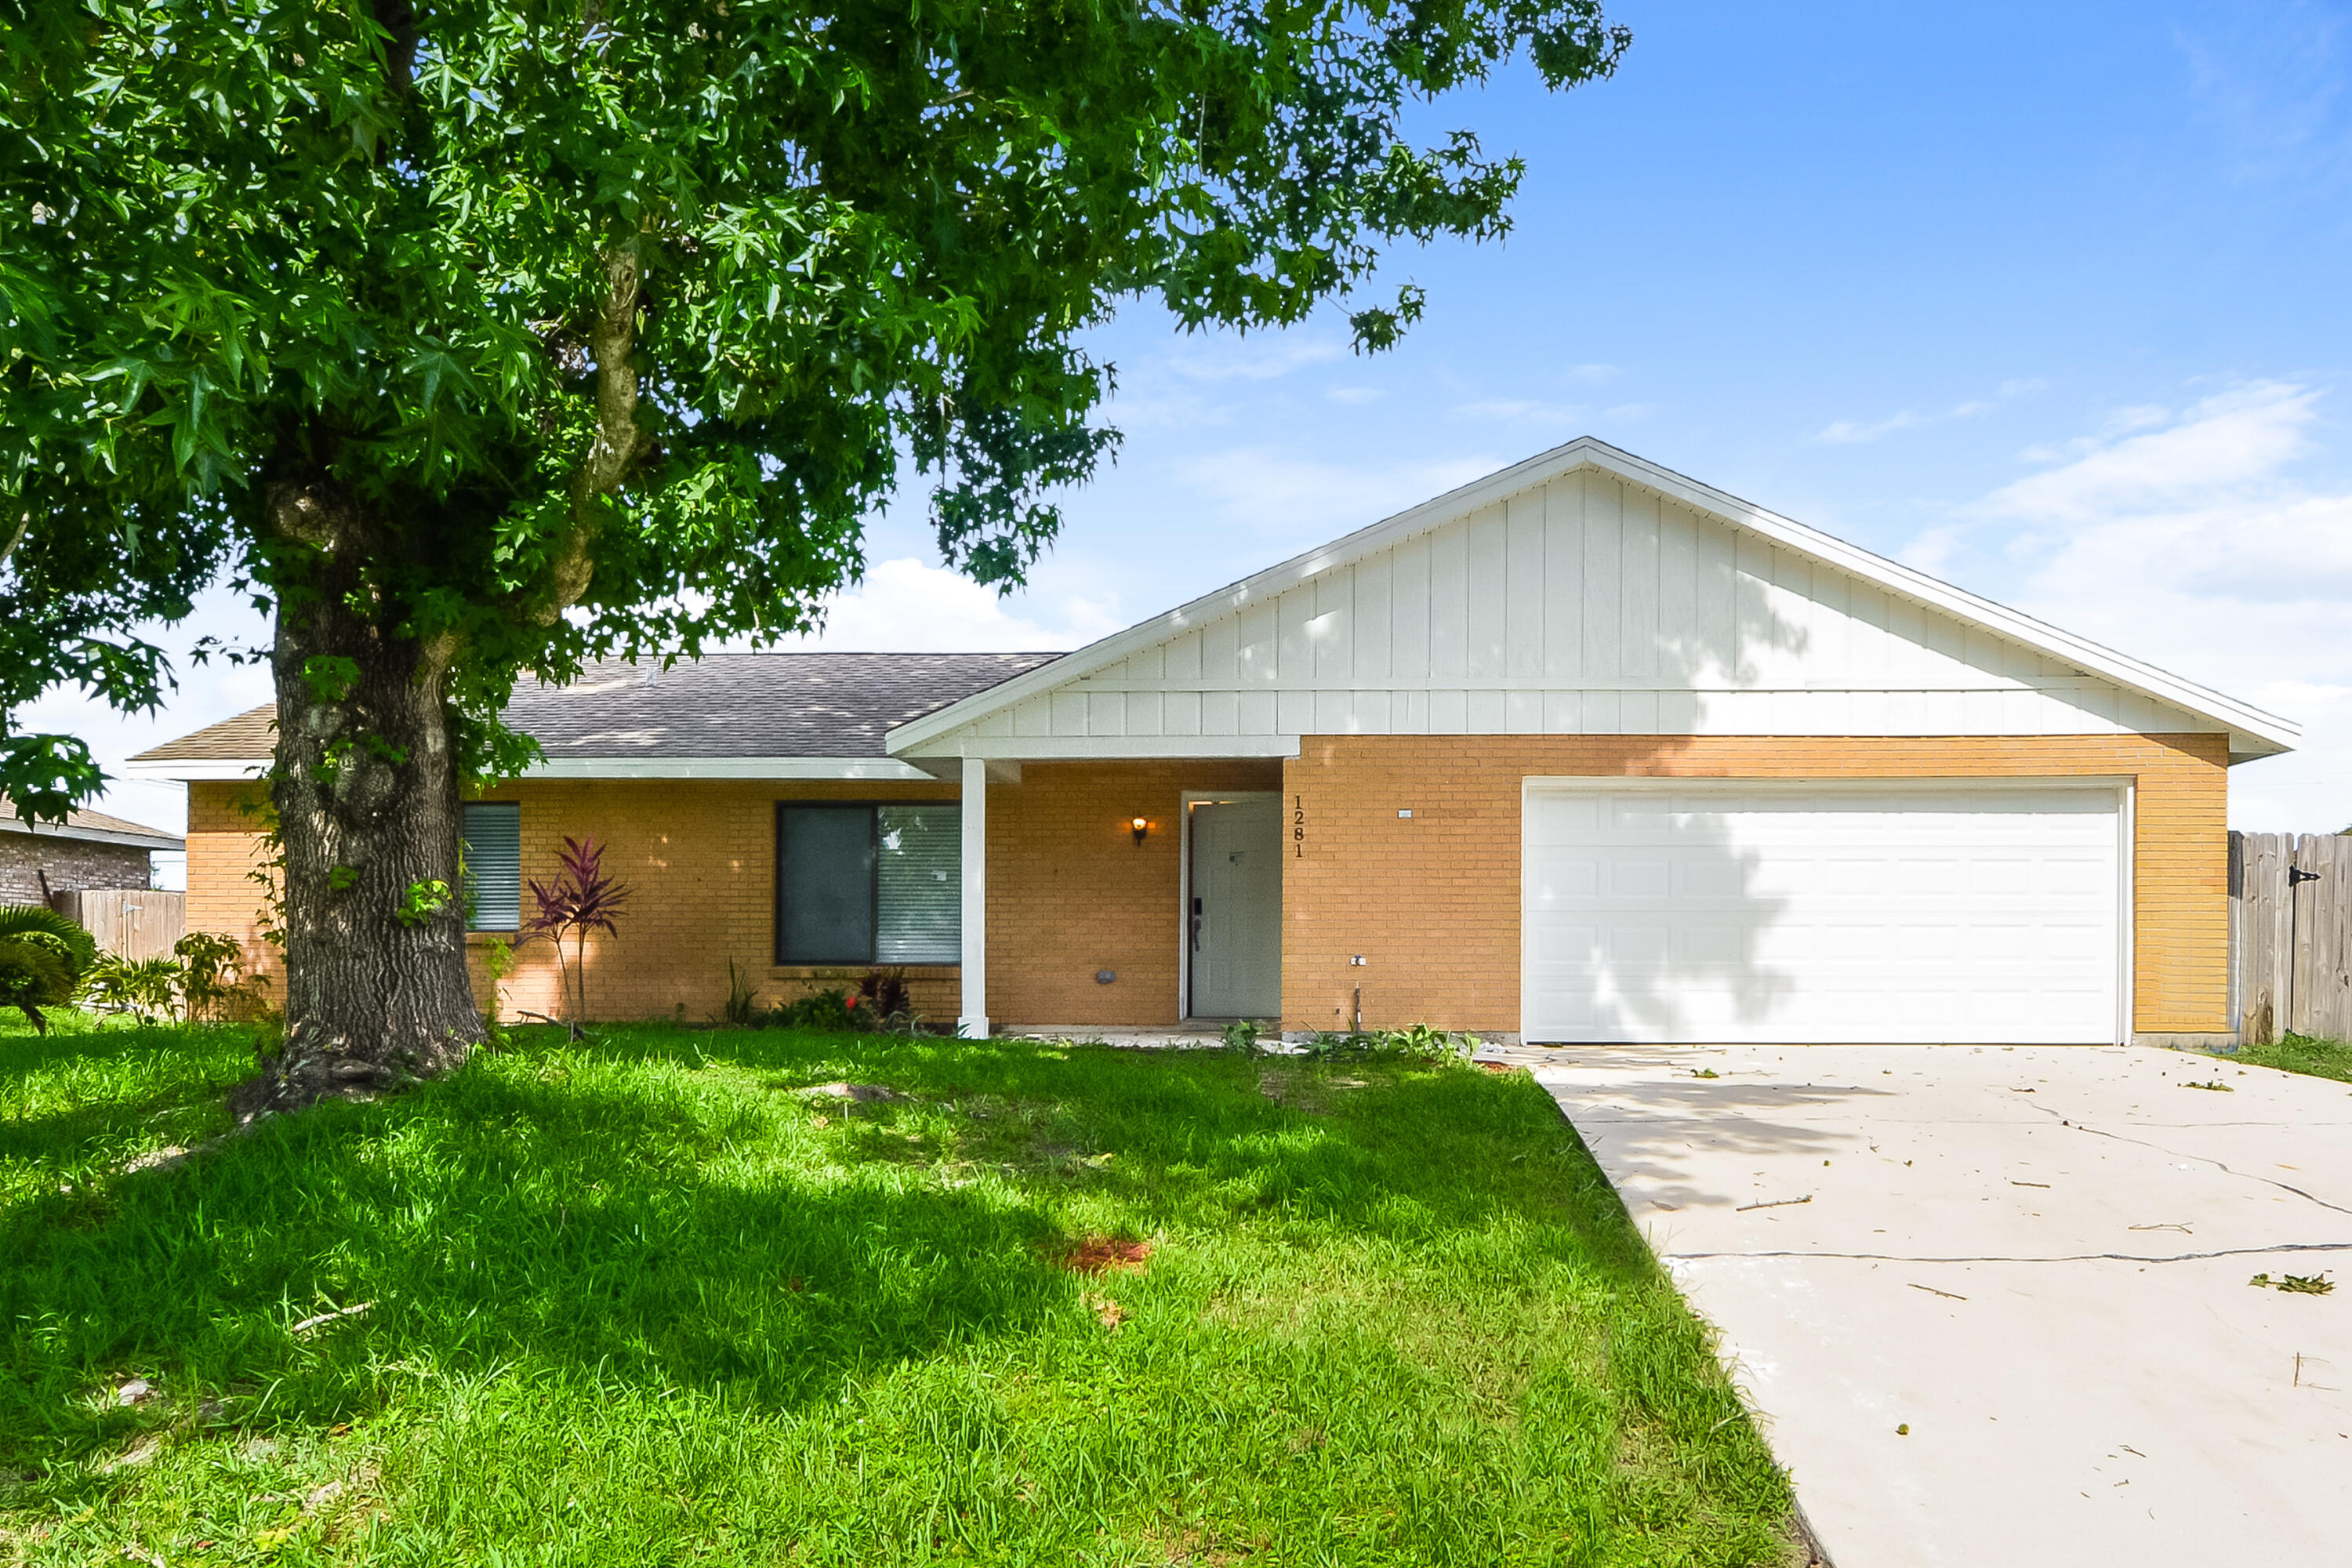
44,927
148,989
211,967
43,956
33,976
830,1010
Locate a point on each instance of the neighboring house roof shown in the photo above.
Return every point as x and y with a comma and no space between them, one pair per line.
89,828
1248,670
741,715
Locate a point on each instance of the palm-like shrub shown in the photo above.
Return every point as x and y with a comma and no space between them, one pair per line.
43,956
581,901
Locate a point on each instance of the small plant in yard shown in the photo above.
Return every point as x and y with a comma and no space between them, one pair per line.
884,1002
148,989
742,1008
832,1010
202,981
212,975
582,899
1241,1037
43,956
497,962
1417,1040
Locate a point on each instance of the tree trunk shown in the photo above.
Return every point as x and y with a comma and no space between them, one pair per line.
366,792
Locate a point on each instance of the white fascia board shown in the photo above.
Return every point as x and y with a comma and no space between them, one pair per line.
781,768
2253,731
1112,748
246,769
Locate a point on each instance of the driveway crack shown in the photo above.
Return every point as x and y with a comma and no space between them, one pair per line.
2046,1257
2201,1159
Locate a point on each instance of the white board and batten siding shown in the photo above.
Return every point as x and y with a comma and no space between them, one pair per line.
1583,606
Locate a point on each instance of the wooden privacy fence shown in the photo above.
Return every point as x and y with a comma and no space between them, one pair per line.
2291,935
131,922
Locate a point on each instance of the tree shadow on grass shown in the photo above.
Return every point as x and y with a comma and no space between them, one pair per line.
624,1215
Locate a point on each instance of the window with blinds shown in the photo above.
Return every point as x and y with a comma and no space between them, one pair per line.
869,884
493,848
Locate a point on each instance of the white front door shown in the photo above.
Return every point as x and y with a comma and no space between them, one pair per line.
1234,924
1747,911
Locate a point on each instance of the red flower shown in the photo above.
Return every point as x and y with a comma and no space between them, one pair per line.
851,1003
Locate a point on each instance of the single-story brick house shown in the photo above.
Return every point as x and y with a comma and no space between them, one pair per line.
88,850
1584,750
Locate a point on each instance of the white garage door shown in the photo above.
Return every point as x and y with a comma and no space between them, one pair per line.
1831,913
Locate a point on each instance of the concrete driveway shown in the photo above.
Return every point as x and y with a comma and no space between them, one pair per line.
2034,1259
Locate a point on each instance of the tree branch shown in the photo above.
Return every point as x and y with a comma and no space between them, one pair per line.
611,344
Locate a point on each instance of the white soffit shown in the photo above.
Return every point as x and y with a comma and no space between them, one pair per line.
2252,732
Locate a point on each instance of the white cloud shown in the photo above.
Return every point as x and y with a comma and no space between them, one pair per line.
1264,356
907,605
2271,80
1933,551
1851,432
1304,501
2191,546
1353,395
1841,432
2217,450
1522,411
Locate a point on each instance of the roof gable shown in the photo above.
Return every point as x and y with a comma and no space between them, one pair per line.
1584,591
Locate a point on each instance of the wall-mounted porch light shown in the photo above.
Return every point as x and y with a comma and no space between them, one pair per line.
1138,827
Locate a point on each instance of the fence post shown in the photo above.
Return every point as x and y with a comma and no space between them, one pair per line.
2263,944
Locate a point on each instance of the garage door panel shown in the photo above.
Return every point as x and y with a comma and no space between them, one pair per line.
1832,912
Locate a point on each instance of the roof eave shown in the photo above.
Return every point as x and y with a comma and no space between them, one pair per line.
92,835
876,769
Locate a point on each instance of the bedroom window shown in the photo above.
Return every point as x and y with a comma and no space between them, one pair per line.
493,846
869,884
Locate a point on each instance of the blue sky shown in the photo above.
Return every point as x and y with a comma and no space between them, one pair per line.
2046,299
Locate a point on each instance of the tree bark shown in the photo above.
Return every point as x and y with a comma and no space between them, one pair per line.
366,792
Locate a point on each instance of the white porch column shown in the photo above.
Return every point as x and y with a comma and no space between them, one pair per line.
973,1021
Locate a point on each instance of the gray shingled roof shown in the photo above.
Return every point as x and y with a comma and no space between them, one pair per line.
727,705
90,826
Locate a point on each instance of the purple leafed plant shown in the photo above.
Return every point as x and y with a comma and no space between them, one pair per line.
582,899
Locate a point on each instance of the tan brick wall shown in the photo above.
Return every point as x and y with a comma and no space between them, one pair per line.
1433,903
1071,892
701,856
223,845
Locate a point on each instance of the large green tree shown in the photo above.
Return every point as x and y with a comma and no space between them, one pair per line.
480,337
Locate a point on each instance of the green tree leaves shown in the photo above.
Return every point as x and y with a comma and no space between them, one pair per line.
595,328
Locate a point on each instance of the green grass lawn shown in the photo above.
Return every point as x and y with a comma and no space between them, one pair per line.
639,1302
2299,1053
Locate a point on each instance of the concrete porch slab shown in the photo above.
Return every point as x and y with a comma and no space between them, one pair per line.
2034,1259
